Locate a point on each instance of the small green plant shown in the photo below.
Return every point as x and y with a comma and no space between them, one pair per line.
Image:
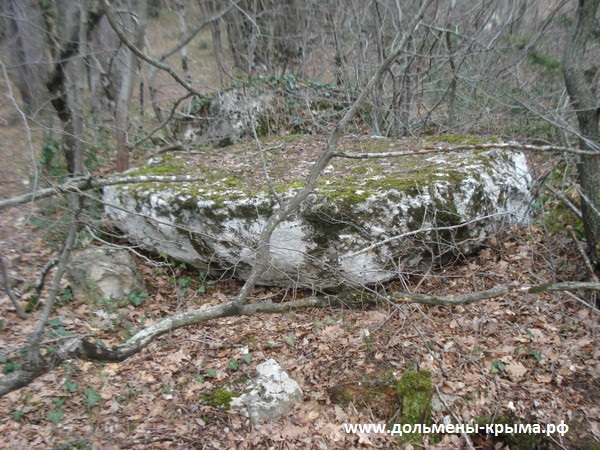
137,298
129,396
369,341
219,398
56,416
56,330
50,161
18,415
91,397
533,354
67,295
498,366
233,364
70,386
290,339
82,444
204,282
10,365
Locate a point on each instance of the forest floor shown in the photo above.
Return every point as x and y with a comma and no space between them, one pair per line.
516,359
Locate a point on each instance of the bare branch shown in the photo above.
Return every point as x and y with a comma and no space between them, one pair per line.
87,348
496,291
419,231
110,16
86,183
454,148
63,260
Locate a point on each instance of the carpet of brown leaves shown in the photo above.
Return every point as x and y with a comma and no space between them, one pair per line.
533,358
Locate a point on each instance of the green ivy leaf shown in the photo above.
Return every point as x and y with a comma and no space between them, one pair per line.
233,364
91,397
247,358
56,416
71,386
498,366
536,355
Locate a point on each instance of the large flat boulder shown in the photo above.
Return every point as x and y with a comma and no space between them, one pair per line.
368,221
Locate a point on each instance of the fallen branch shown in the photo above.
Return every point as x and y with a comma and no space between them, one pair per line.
87,347
86,183
455,148
496,291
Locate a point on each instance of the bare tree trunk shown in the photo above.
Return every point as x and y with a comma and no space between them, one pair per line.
103,45
453,84
209,9
585,102
25,37
182,36
80,79
126,88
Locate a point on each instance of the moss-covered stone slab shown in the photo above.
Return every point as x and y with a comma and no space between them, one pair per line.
368,220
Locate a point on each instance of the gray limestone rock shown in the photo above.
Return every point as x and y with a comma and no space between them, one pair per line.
271,395
104,272
367,221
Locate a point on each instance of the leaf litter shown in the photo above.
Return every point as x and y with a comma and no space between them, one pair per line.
533,358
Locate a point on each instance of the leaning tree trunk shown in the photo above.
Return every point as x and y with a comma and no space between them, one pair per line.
585,102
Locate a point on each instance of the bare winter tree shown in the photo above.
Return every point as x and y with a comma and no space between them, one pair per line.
581,79
133,23
24,32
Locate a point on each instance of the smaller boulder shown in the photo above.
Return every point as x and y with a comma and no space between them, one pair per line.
102,272
271,395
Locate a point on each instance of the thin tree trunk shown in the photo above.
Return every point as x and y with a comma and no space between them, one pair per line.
582,94
80,79
453,84
125,90
182,36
